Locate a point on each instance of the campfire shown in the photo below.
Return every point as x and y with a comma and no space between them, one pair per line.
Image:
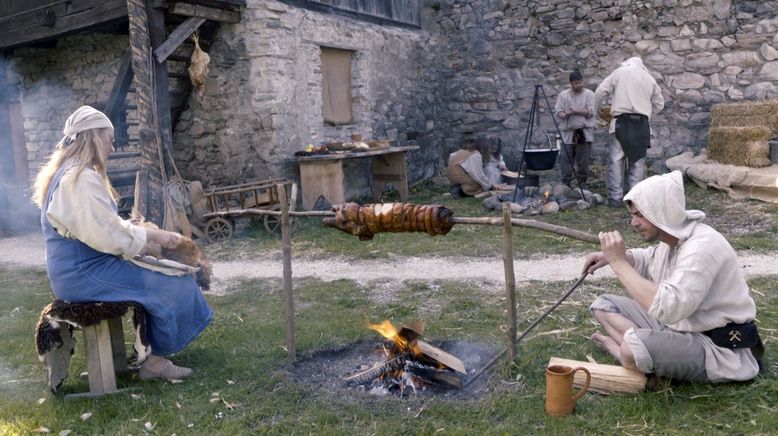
547,199
410,364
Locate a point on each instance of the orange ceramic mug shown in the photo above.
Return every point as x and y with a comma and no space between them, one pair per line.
560,400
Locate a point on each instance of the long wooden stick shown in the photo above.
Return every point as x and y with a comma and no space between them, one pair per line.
510,279
286,248
527,330
534,224
489,221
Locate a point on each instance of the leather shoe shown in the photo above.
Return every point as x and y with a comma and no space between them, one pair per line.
168,371
615,203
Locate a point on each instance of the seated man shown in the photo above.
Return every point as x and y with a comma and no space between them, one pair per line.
690,315
465,171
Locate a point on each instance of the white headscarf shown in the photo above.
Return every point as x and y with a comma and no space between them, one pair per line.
662,201
84,118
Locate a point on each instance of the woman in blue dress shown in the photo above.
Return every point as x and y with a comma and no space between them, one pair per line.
89,247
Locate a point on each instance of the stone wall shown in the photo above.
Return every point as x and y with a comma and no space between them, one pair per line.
263,99
53,82
471,69
701,52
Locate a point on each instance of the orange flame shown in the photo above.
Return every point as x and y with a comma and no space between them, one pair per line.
389,331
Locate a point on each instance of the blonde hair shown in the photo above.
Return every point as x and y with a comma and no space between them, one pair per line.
85,151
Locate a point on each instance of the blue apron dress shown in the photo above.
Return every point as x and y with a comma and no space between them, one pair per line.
176,309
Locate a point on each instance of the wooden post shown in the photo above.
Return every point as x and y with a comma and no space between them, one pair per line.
150,163
286,249
510,279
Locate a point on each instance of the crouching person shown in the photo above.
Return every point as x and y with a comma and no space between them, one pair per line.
689,315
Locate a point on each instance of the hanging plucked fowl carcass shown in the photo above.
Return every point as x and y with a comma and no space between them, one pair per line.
365,221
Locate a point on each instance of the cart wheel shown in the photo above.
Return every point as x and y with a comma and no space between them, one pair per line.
273,222
218,229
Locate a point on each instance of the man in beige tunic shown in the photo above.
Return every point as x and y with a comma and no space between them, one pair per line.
690,315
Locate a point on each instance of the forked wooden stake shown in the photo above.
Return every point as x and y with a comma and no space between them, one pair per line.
286,248
510,279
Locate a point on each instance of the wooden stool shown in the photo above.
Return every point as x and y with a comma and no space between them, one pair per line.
105,357
106,354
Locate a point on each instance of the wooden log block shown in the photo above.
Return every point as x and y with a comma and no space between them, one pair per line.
441,356
606,379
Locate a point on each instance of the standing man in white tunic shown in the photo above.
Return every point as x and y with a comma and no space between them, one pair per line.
689,314
635,97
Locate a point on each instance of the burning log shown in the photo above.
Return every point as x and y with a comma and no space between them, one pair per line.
376,372
365,221
428,372
441,356
413,363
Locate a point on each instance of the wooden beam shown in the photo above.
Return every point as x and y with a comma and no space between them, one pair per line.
140,46
218,4
62,18
182,32
164,124
121,86
213,14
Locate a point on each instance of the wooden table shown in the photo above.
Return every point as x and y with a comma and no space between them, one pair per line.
322,175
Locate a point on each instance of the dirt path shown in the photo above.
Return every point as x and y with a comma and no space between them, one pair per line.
27,251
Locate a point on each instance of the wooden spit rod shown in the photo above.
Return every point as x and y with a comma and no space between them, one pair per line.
491,221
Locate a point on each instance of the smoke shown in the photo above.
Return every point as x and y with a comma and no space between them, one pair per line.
18,214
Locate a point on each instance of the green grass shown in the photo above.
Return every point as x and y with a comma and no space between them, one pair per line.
245,384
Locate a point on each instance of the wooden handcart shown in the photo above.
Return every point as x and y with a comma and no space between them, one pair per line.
228,203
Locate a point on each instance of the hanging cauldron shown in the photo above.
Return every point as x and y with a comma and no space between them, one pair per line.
540,159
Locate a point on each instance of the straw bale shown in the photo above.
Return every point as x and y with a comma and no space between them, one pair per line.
750,113
743,146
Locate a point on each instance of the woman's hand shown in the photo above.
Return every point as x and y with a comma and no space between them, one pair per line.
164,238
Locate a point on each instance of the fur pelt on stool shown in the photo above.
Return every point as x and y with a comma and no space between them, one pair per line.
54,333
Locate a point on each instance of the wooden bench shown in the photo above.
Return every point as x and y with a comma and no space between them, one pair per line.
101,325
323,176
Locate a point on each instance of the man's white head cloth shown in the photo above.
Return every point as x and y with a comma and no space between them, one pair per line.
84,118
661,200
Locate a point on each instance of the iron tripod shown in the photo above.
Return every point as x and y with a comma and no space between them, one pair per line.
532,119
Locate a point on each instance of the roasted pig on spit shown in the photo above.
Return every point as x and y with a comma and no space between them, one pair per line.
365,221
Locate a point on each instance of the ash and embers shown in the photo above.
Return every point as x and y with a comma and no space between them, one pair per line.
333,371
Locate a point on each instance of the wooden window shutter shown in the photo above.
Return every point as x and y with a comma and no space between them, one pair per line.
336,85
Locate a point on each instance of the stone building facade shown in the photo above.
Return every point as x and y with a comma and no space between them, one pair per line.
701,52
263,100
469,68
55,81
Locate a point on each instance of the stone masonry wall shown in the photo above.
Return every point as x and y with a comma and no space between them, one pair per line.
263,96
53,82
701,52
471,69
